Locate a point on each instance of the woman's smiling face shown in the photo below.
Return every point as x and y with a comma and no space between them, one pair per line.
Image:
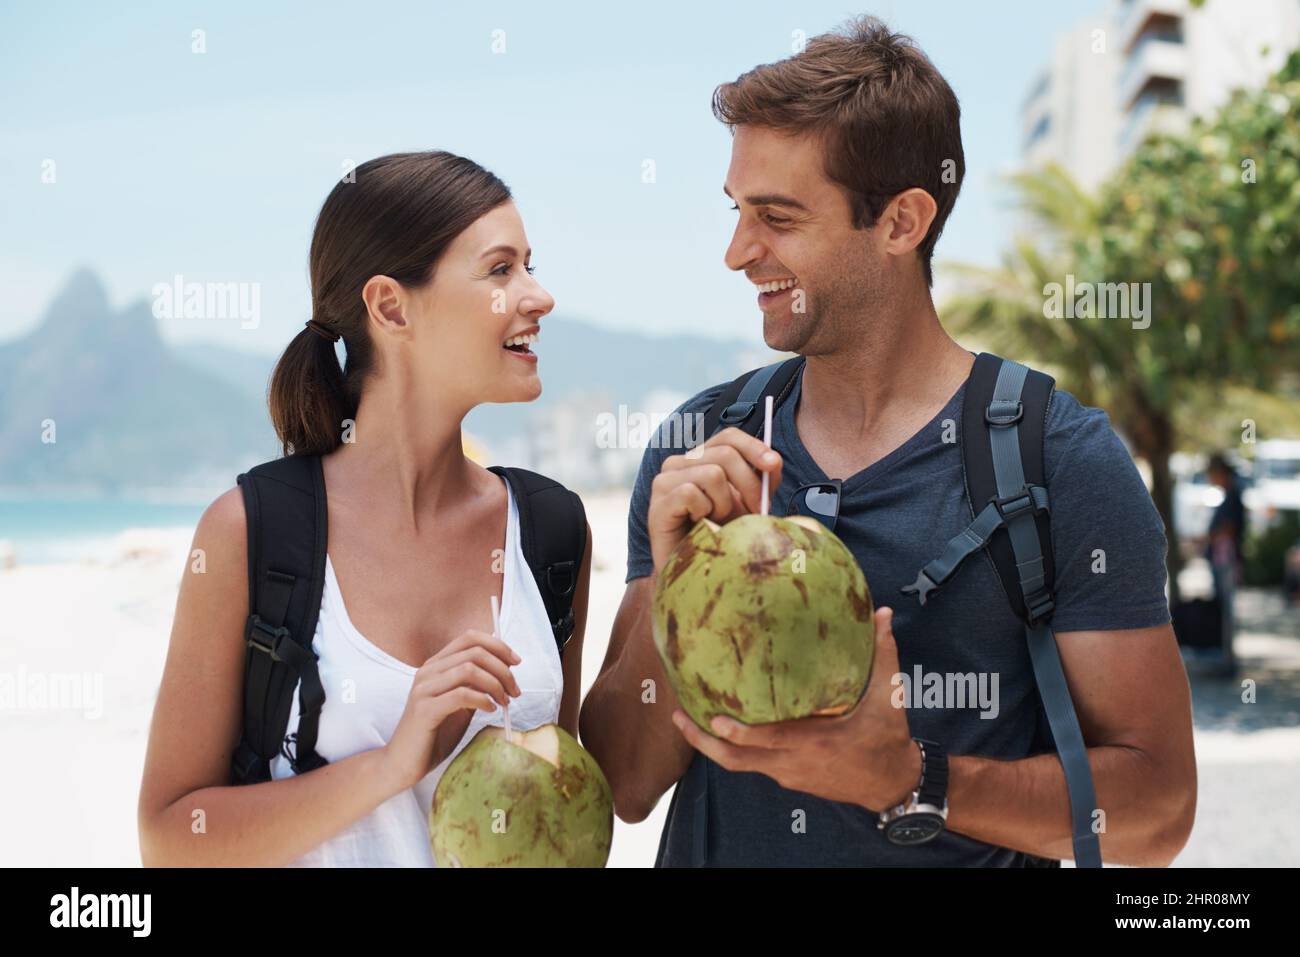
482,312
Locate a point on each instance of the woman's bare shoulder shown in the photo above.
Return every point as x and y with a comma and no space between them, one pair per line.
224,524
220,547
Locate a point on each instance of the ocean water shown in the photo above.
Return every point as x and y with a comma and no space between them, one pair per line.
44,531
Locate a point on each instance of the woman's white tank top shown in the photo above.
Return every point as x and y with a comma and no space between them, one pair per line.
365,694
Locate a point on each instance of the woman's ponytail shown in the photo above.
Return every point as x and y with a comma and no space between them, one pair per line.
308,396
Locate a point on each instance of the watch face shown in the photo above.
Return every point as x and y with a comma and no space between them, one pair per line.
914,828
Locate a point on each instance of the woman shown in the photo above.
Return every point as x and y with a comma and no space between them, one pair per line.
421,267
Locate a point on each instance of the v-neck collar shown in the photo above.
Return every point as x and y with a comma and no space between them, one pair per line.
333,590
795,450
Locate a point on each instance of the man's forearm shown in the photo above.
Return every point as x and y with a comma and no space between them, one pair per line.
634,740
627,724
1024,805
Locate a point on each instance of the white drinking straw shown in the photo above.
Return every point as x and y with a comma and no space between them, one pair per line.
767,440
496,633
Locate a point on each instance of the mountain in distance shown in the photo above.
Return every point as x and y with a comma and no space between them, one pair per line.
130,411
247,372
94,401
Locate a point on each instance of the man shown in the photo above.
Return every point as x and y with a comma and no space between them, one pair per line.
1228,523
846,161
1223,551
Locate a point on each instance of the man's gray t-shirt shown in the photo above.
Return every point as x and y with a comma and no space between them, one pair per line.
895,516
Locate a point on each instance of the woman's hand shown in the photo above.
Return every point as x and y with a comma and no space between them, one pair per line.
471,673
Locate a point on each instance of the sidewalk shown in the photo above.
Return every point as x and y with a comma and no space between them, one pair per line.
1248,753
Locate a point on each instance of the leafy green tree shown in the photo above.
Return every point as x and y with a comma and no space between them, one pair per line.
1207,221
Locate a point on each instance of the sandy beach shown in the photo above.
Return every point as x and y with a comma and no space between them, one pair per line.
95,632
93,635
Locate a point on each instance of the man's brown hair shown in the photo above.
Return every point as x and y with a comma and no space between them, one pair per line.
887,119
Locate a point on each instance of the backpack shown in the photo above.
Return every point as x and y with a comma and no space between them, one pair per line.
285,503
1003,419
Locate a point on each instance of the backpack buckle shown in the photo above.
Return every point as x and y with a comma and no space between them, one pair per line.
1040,607
1003,413
563,628
265,638
1016,504
300,763
570,578
921,588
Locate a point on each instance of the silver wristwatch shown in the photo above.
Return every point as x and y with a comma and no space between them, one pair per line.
923,816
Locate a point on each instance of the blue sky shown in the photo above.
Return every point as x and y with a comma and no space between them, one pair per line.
214,165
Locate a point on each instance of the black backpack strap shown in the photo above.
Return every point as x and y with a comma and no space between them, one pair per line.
1003,423
284,501
553,536
741,403
1020,422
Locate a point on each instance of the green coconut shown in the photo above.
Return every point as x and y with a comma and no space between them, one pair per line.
764,619
536,800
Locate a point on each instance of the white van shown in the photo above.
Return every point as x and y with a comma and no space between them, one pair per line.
1276,484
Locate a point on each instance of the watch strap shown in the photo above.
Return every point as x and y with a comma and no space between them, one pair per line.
933,789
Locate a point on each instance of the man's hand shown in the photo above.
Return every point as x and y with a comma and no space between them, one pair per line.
864,757
718,480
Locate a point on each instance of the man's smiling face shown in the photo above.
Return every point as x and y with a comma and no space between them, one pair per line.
795,232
